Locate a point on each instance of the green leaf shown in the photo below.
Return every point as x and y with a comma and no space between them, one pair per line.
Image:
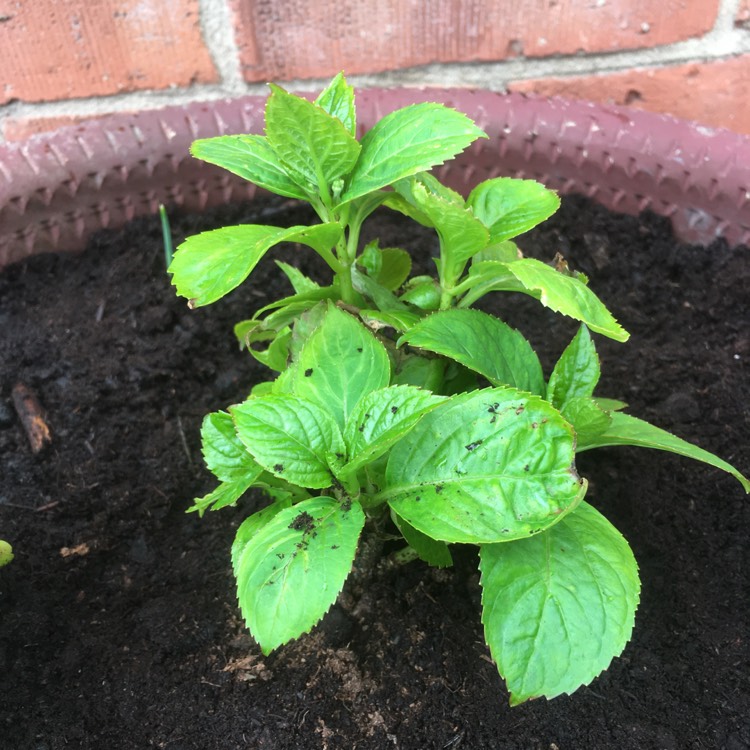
382,297
586,416
509,207
485,466
338,100
250,157
399,320
409,140
6,553
340,362
282,312
627,430
276,355
389,266
250,527
314,146
610,404
430,550
304,326
421,372
229,461
290,437
211,264
505,252
424,295
557,608
461,234
292,569
483,344
576,372
300,283
484,277
227,493
381,418
225,455
567,295
244,330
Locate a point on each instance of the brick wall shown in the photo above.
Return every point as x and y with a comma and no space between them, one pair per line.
66,60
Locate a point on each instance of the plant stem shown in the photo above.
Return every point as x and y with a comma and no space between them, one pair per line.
403,556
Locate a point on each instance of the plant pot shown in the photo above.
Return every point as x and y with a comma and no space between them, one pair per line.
56,189
133,639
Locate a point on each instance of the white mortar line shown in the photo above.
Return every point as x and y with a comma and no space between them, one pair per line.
728,10
217,25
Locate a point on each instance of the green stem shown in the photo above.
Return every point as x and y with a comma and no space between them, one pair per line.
344,276
403,556
446,299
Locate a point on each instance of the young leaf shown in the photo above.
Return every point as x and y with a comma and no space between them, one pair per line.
291,570
338,100
409,140
389,266
250,157
425,295
300,283
276,355
576,372
314,146
430,550
381,418
290,437
209,265
243,331
461,234
588,419
486,466
627,430
557,608
483,344
509,207
340,362
567,295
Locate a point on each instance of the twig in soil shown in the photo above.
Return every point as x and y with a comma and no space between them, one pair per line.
31,414
100,311
47,506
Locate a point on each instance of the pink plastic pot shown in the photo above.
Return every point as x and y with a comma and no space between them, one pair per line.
56,189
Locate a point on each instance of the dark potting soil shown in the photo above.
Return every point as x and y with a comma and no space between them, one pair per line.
118,622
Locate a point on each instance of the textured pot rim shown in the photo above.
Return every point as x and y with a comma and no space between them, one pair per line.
57,188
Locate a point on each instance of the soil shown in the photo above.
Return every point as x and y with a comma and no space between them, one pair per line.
119,626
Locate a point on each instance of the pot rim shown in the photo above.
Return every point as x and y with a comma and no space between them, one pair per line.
58,188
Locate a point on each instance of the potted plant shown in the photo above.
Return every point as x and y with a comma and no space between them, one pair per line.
303,530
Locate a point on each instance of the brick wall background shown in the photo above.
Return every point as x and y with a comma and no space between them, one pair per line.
66,60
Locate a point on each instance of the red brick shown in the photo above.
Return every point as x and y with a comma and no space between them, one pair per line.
283,39
742,19
716,93
61,49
